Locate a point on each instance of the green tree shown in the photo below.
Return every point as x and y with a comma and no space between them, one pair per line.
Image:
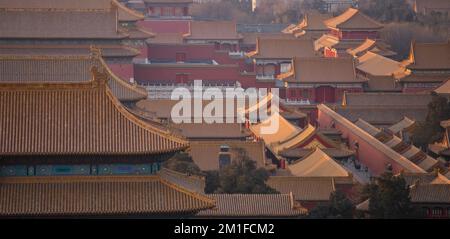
241,176
430,131
388,197
339,207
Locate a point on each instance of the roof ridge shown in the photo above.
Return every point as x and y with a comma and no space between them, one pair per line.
73,179
55,9
134,119
45,57
128,85
182,174
128,10
201,197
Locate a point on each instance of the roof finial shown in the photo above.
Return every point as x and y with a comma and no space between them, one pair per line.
96,52
99,76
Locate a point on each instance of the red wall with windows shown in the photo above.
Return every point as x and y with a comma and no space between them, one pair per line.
417,89
165,26
325,94
192,52
320,94
164,74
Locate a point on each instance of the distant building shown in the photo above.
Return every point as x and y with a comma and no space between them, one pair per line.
312,25
209,51
429,65
321,80
372,63
347,30
68,27
254,206
429,193
216,154
441,149
174,9
426,7
338,5
384,109
311,191
273,56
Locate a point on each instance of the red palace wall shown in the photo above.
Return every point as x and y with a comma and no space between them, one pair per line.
165,26
371,157
124,71
166,74
168,11
191,52
311,94
417,90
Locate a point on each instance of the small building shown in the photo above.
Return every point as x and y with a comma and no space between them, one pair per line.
427,7
441,149
317,164
443,89
216,154
373,46
311,192
310,26
321,80
429,193
169,9
382,73
254,206
274,56
353,25
429,65
348,30
223,34
383,109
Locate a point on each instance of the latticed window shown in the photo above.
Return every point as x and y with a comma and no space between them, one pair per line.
305,93
437,211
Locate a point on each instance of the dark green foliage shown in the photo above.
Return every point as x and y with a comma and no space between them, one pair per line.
212,181
430,131
339,207
388,197
241,176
